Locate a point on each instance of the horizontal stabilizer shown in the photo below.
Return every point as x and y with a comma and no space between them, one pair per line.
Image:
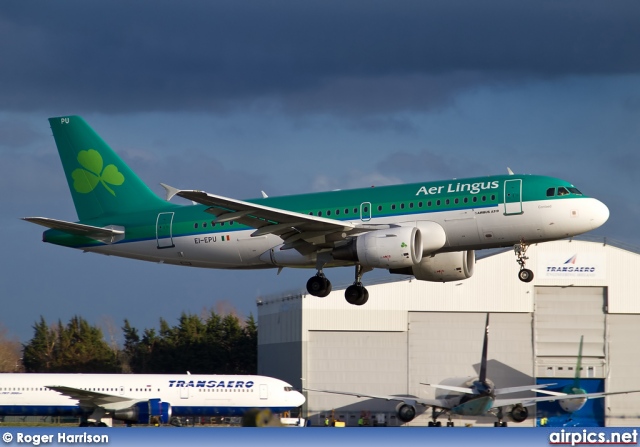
457,389
519,389
109,234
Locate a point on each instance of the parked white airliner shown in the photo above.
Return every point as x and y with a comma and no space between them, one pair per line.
138,398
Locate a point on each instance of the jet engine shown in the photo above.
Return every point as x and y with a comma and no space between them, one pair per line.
388,249
518,413
142,412
405,412
443,267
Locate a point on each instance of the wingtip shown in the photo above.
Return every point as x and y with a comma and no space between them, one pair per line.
170,191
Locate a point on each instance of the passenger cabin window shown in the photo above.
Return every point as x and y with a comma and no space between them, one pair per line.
551,192
562,191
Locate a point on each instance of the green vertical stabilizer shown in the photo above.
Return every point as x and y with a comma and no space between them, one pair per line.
101,183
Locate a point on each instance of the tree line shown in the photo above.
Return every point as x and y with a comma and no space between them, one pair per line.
209,344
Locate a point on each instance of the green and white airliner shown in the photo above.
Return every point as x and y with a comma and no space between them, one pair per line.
429,230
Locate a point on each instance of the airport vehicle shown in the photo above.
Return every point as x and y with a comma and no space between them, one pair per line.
474,396
429,230
142,398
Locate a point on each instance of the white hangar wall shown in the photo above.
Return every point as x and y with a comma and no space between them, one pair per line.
413,331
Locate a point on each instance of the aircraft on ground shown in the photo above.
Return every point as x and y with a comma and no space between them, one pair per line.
429,230
474,396
576,404
98,399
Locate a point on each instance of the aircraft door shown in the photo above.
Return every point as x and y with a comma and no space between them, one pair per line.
365,211
184,392
264,391
513,197
164,235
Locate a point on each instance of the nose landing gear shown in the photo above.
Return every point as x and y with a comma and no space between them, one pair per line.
520,250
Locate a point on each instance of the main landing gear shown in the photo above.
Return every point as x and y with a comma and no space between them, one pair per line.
356,293
435,423
520,250
319,285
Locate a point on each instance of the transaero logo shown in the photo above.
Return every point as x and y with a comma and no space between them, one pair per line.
576,265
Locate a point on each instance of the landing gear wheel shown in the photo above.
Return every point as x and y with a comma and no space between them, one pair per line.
525,275
318,286
438,424
431,424
450,424
356,294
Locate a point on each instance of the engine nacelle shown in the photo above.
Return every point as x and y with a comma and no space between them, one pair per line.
405,412
388,249
443,267
518,413
142,412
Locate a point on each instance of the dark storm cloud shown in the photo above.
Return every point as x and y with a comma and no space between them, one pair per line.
147,55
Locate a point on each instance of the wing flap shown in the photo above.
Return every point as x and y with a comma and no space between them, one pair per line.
266,219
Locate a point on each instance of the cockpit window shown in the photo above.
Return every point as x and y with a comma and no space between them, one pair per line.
288,388
575,191
551,192
562,191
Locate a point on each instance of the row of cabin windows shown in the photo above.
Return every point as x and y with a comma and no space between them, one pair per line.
411,205
562,191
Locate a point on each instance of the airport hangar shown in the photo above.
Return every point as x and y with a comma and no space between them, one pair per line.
414,331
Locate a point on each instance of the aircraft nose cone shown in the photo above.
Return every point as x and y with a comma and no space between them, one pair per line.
299,399
599,214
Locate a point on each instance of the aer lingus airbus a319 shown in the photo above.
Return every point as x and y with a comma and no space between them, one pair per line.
429,230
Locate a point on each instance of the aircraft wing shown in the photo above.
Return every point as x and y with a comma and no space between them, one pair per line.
409,400
89,399
294,228
527,402
105,234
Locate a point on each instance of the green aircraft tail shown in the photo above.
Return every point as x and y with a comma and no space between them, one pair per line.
100,182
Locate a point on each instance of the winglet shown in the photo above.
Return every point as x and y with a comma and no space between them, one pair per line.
170,190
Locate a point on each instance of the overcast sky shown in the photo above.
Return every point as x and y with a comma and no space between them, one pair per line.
235,97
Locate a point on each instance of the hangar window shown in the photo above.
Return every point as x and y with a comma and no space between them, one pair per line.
551,192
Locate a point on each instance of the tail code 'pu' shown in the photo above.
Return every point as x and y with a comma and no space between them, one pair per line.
101,183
